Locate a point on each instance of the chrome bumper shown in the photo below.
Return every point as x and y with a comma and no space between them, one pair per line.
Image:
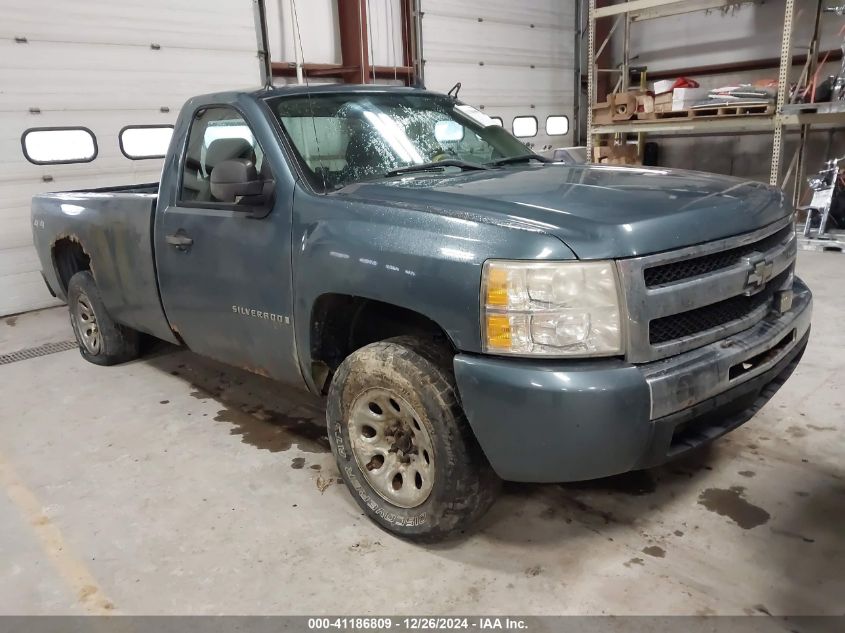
682,381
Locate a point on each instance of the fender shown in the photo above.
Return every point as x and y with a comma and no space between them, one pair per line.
422,259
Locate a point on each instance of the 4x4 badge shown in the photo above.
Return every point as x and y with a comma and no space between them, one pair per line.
759,273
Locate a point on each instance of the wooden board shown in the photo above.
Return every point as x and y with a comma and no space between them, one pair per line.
715,112
732,110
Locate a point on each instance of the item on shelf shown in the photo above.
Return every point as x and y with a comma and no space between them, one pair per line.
624,105
624,154
741,94
602,113
668,85
645,106
677,99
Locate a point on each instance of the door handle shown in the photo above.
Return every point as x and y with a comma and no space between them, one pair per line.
181,241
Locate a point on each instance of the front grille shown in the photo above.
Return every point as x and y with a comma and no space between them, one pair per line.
678,271
717,314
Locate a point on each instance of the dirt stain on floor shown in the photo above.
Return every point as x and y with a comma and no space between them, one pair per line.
634,561
654,550
12,321
276,432
732,504
821,428
796,431
747,473
297,463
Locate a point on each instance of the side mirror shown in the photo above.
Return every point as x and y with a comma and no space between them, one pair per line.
234,179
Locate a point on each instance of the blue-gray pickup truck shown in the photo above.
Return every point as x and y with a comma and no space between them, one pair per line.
473,312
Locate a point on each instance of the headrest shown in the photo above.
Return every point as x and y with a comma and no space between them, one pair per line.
226,149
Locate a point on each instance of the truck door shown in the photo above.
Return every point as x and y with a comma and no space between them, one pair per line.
224,268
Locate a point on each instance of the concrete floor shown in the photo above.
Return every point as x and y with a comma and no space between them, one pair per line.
174,485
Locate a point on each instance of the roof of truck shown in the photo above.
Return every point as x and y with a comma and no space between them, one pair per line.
297,89
303,89
229,96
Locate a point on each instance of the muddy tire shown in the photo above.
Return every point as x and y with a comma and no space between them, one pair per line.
101,340
402,443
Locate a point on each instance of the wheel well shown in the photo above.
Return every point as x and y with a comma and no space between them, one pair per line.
341,324
69,258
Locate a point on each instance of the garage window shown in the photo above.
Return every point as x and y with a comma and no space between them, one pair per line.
557,125
138,142
57,145
525,126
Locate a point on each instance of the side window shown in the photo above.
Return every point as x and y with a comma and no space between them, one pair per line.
217,133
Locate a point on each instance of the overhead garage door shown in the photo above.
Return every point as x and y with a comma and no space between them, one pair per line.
516,59
102,65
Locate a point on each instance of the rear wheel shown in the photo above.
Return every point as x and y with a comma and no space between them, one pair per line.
101,340
402,443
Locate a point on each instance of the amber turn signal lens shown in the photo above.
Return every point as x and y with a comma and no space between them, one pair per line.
498,331
497,287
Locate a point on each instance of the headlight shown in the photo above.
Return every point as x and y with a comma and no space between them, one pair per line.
550,308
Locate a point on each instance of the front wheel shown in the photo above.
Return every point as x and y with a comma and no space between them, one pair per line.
101,339
402,443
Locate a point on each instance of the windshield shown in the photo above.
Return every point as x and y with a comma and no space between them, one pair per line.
345,138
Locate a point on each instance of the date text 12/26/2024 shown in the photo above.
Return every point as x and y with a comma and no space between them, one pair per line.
417,623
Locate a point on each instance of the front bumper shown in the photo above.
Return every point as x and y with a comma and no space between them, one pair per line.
553,421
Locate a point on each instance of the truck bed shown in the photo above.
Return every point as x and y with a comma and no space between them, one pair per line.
114,228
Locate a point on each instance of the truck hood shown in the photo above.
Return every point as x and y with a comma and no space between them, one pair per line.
598,211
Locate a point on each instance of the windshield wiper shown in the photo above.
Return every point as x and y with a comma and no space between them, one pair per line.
522,158
434,166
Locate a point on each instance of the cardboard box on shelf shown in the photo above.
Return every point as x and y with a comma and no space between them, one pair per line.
645,106
602,113
678,99
624,105
616,154
663,86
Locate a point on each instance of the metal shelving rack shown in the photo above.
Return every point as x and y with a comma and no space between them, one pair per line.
774,124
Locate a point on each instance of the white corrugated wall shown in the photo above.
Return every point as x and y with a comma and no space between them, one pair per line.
102,65
513,58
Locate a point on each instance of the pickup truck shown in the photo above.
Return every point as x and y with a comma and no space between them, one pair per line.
471,311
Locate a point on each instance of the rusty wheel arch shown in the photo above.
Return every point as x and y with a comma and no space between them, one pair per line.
69,257
341,324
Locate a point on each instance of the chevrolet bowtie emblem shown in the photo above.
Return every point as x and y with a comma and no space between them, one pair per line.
759,273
